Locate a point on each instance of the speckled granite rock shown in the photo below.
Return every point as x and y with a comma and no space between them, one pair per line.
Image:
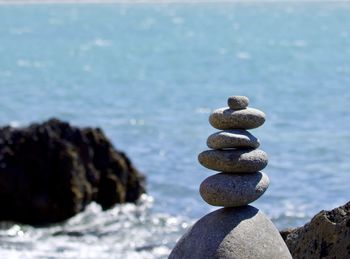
236,160
237,102
232,139
232,233
225,118
327,235
233,190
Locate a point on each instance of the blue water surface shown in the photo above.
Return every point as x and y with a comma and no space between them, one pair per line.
149,75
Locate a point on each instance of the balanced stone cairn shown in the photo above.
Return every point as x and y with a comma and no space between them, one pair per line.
238,230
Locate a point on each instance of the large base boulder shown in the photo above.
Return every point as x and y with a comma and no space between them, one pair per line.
232,233
327,235
51,171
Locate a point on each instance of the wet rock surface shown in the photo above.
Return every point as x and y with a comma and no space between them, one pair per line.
51,171
327,235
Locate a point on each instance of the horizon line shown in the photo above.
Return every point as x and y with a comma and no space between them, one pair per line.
29,2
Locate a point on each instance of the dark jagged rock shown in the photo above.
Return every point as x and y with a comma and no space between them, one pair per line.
327,235
51,171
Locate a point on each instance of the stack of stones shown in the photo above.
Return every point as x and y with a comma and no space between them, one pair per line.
235,154
237,231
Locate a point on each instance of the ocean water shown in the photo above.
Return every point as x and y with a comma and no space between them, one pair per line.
149,75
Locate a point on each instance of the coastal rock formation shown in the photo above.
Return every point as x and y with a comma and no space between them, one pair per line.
327,235
51,171
238,231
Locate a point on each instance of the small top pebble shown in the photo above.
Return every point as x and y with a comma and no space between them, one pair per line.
237,102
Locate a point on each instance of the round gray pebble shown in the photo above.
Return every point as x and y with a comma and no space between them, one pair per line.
225,118
232,233
233,190
232,139
238,102
234,161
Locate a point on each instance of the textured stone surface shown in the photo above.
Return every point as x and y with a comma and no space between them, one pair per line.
234,161
232,233
51,171
233,190
327,235
232,139
237,102
225,118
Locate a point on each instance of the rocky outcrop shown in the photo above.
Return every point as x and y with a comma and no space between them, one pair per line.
51,171
327,235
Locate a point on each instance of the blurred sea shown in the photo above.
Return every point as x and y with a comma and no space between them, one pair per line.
149,75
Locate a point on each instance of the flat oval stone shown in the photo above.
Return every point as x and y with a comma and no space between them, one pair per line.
232,139
234,161
237,102
225,118
233,190
232,233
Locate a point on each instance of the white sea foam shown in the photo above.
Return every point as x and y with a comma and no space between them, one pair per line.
126,231
102,42
204,110
15,124
243,55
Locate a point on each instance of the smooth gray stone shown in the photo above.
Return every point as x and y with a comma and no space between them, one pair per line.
232,139
233,190
225,118
232,233
234,160
237,102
